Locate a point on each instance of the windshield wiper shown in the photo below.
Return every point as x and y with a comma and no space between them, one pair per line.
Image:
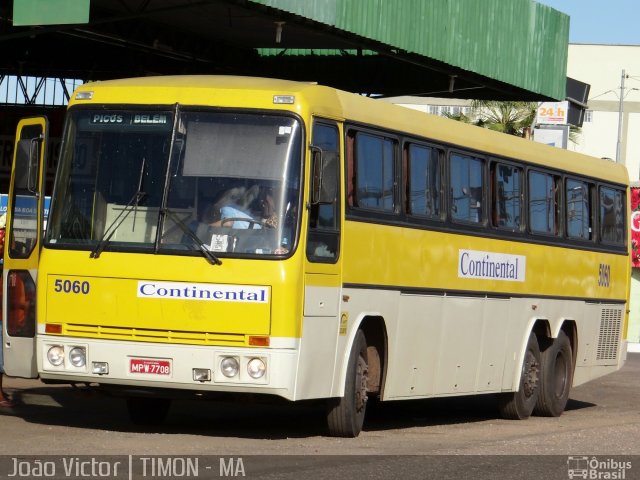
213,260
113,227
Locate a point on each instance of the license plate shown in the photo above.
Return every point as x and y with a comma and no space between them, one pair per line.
150,366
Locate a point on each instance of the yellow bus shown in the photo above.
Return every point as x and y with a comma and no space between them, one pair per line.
219,235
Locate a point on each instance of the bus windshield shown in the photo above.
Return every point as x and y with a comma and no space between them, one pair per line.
178,182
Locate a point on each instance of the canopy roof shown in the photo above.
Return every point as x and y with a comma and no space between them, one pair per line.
493,49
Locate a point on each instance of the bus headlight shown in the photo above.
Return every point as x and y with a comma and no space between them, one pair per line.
78,357
230,366
55,355
256,368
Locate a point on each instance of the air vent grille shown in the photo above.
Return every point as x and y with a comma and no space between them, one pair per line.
609,336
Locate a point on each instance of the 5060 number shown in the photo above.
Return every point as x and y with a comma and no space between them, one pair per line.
68,286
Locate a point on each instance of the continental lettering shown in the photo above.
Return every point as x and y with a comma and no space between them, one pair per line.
203,291
491,266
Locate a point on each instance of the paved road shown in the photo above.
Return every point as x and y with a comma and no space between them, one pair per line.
602,419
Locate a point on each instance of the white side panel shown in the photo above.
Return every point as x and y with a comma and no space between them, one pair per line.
461,345
448,345
316,366
418,346
321,301
442,345
494,345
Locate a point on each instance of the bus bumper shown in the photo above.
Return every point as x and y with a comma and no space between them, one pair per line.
168,366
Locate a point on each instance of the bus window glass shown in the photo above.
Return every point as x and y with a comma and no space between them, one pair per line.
234,182
111,178
374,172
578,208
612,224
229,172
324,225
24,231
507,196
423,186
543,204
466,188
325,137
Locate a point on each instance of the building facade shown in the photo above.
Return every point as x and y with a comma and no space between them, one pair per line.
614,104
612,124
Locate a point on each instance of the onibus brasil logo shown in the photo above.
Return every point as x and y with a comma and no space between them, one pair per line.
595,468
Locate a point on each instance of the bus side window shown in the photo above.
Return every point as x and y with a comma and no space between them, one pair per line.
612,216
544,203
323,243
467,188
506,196
423,183
578,209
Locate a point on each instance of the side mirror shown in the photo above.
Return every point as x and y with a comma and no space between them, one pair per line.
324,176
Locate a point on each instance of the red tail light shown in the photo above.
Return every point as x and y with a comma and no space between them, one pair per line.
21,304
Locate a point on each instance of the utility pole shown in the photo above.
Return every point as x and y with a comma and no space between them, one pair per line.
620,118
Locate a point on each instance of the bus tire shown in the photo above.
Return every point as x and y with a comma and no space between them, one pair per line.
345,415
557,377
519,405
148,410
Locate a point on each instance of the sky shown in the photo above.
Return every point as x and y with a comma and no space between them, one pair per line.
613,22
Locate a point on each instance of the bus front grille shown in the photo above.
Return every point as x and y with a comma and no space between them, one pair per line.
151,335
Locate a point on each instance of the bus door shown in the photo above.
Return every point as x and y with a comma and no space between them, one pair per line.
25,217
323,234
323,281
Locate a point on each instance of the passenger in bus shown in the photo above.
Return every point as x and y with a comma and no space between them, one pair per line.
266,208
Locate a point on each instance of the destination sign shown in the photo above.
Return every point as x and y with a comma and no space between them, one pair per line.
129,119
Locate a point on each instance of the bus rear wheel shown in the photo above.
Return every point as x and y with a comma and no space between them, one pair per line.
345,416
148,410
519,405
557,377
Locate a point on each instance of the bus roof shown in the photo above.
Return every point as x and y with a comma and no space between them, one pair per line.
225,91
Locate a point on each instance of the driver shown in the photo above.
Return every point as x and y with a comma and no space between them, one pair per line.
235,212
257,205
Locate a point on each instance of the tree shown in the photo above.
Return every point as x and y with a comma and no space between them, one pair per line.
506,117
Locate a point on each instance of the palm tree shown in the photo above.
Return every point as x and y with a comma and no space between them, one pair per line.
513,118
506,117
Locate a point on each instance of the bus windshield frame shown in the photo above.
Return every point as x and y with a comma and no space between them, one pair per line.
178,180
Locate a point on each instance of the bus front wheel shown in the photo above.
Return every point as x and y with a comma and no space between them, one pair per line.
148,410
557,377
345,415
519,405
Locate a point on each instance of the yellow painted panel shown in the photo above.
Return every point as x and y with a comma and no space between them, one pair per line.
102,297
157,305
424,259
